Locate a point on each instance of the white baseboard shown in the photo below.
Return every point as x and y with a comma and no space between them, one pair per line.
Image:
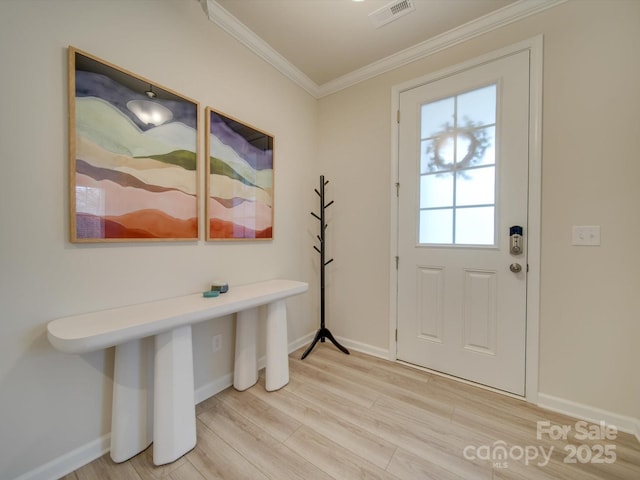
219,384
87,453
70,461
212,388
591,414
301,342
364,348
349,344
75,459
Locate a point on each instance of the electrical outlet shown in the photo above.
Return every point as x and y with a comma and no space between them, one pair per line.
217,342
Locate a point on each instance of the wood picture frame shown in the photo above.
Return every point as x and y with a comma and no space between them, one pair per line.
133,156
239,180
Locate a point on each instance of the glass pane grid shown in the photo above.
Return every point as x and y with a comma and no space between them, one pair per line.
457,169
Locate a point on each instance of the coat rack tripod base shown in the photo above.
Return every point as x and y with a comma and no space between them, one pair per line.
322,333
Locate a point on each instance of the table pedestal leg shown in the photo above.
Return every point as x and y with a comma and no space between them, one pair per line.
277,362
132,411
174,416
245,369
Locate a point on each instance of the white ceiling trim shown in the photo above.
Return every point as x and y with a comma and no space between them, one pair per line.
230,24
504,16
492,21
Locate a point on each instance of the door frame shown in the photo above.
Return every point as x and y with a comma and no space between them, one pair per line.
535,47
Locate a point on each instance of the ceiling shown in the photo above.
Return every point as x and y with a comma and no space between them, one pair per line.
326,45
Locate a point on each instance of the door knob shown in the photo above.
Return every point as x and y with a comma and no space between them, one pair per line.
515,267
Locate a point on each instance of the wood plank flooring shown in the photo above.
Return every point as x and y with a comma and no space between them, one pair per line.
359,417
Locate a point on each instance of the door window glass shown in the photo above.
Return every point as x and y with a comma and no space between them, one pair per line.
458,169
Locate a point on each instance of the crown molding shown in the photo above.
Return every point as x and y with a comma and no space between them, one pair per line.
492,21
230,24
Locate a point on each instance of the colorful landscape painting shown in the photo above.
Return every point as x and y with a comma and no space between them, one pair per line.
239,180
133,157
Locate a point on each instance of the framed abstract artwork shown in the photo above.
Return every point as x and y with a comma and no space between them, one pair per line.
239,180
133,156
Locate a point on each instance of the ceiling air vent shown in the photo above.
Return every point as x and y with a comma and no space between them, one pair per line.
391,12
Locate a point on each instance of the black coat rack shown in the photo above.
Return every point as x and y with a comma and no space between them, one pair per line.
322,332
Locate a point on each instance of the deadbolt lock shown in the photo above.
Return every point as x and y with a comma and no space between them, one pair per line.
515,240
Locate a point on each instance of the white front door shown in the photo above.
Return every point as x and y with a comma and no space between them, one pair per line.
463,178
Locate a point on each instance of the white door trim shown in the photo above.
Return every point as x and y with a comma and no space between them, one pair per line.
534,45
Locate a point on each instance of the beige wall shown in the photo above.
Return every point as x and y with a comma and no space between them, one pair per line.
52,403
590,312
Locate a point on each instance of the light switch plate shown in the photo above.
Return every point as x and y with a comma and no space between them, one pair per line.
585,235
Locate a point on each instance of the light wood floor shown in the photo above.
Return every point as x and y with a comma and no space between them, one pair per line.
359,417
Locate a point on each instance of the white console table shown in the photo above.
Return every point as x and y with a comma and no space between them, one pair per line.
153,389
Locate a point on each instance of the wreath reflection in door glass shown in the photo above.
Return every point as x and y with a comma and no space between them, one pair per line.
458,169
